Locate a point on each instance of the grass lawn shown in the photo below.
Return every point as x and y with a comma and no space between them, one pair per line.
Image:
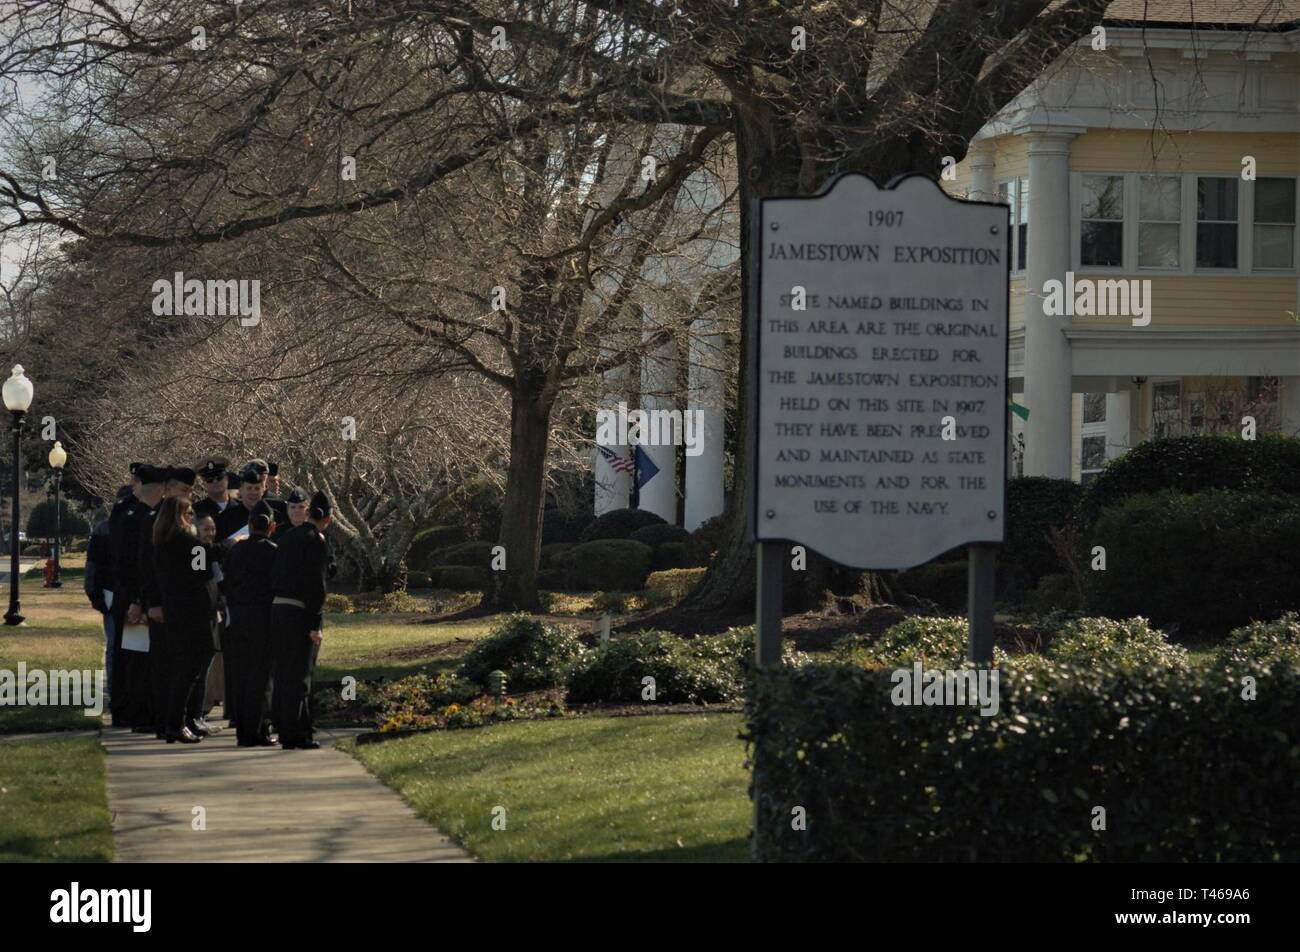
369,646
667,788
53,805
62,631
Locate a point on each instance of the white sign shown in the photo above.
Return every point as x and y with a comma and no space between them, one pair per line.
882,372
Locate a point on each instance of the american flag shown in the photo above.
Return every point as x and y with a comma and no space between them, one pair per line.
619,464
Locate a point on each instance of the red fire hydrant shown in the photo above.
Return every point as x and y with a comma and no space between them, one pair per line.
49,572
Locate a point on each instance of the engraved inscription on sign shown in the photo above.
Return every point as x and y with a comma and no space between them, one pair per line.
882,375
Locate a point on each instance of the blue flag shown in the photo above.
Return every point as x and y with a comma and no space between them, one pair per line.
646,470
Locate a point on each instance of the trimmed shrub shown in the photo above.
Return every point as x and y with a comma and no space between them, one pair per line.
617,565
1088,641
619,524
461,578
560,525
935,642
418,580
533,654
1262,644
40,521
672,585
1193,464
1206,562
1157,746
334,602
943,583
659,533
1035,506
705,670
388,602
673,555
550,554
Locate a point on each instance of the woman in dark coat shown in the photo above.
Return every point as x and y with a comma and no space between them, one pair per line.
183,567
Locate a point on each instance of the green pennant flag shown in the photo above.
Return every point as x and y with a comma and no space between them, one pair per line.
1018,410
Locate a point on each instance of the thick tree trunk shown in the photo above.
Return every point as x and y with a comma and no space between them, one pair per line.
515,588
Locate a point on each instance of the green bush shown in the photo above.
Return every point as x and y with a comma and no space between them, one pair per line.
943,583
672,585
659,533
563,525
705,670
533,654
388,602
673,555
461,578
1193,464
619,565
1206,562
550,554
1160,748
619,524
341,604
1262,644
429,541
935,642
1035,506
418,580
1088,641
1055,593
40,522
707,538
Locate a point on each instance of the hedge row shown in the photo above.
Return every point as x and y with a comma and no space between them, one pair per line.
1184,768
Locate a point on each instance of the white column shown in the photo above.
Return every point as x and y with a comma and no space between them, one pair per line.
707,405
1047,352
1117,423
982,186
1289,406
658,384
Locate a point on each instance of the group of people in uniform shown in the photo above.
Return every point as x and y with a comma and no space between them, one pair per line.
235,577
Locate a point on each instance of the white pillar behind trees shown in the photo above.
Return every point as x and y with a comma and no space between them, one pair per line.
1047,352
708,395
658,385
982,186
1117,424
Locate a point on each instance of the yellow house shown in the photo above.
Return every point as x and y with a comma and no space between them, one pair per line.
1151,175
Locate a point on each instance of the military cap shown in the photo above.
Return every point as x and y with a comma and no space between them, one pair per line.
213,469
181,474
320,505
151,474
273,469
257,465
296,496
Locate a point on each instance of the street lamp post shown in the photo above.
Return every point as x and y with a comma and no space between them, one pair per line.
17,392
58,459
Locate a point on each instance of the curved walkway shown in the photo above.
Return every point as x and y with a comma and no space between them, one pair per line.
258,805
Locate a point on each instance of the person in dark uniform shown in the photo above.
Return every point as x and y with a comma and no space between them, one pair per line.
132,668
296,506
183,570
248,570
179,484
116,607
98,586
262,469
251,493
218,496
298,589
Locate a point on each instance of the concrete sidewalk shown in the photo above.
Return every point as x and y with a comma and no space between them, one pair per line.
260,804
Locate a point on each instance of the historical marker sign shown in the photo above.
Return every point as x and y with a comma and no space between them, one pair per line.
882,372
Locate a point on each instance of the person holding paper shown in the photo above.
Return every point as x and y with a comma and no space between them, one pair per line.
133,662
232,524
183,568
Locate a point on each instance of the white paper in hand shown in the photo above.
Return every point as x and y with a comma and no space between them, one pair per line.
238,536
135,638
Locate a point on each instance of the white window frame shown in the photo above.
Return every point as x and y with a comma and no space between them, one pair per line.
1018,184
1182,396
1187,248
1094,429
